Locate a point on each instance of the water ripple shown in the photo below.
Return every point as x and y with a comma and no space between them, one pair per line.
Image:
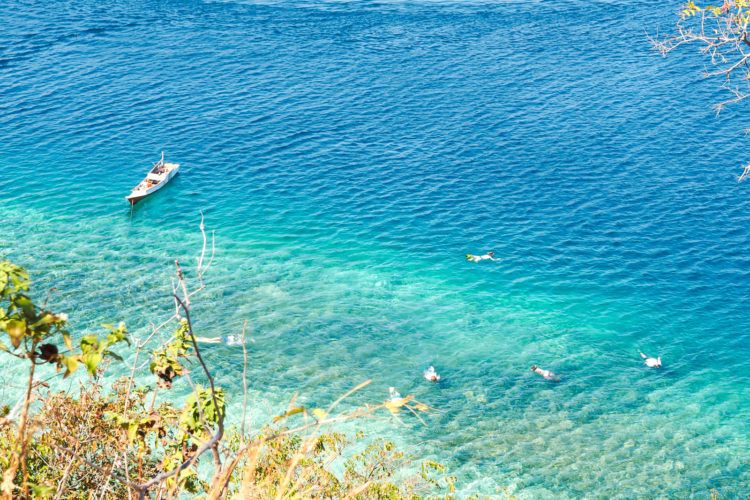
348,155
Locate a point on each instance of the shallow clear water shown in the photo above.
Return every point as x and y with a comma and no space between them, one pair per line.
348,155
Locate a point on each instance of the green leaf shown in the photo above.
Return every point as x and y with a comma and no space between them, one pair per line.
116,334
132,431
44,320
70,363
89,343
16,328
25,304
42,491
293,411
66,338
319,413
91,360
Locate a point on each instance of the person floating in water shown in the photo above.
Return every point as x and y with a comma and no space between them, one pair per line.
478,258
548,375
394,395
431,375
228,340
651,362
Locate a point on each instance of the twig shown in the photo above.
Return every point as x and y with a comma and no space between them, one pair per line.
244,379
66,473
143,488
91,464
19,457
281,492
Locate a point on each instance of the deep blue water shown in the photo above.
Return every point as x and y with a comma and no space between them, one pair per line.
348,155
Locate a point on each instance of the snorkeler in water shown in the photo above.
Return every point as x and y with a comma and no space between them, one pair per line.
478,258
228,340
548,375
431,375
651,362
393,394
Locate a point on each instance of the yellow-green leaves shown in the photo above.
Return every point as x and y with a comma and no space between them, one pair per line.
25,304
70,363
116,334
13,279
136,426
16,329
690,9
200,409
132,431
20,318
89,343
291,411
94,349
42,490
165,362
319,413
429,468
91,360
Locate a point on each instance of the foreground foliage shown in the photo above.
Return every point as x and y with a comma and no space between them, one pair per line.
118,442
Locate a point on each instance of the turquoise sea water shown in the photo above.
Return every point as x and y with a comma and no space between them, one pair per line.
348,155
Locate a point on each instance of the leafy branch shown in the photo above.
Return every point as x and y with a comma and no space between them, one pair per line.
124,443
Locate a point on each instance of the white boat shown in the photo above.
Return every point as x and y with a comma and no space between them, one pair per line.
157,178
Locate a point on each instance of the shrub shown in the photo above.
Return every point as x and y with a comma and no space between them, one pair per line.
117,442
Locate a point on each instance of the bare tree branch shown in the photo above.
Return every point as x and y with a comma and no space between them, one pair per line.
244,379
210,444
720,32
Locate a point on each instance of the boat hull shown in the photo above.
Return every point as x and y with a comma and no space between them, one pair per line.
135,199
